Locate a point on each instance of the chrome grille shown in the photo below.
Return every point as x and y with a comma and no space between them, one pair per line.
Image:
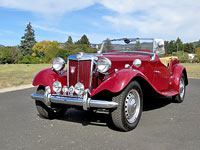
79,71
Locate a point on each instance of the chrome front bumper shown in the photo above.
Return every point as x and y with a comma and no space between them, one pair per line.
86,102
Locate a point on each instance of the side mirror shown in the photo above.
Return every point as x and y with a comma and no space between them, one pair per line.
159,47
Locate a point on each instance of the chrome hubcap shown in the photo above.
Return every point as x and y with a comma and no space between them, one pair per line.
182,88
132,106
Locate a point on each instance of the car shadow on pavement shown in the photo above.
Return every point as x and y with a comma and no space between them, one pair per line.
85,117
104,119
156,103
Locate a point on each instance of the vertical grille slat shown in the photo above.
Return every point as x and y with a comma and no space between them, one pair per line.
82,69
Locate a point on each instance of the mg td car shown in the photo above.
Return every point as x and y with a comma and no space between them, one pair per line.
117,79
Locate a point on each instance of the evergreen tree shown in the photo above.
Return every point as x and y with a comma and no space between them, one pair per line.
138,45
172,46
179,45
198,44
28,41
69,41
83,40
167,47
107,46
189,48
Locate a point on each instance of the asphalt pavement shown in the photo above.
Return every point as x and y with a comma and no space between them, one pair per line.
164,126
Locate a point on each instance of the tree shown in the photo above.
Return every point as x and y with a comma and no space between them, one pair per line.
172,47
138,45
5,55
46,50
198,44
69,41
83,40
167,50
14,54
107,45
197,57
179,44
28,41
189,47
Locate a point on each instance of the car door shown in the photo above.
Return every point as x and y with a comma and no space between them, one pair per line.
161,76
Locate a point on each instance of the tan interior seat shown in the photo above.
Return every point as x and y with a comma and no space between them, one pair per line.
166,60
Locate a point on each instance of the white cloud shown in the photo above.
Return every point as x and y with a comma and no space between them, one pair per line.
52,29
167,19
47,7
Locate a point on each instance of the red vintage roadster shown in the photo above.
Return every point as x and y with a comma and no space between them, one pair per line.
116,79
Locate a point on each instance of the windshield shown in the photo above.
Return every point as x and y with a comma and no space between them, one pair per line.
126,44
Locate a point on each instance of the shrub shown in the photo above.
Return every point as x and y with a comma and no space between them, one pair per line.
196,59
5,55
183,56
24,59
35,60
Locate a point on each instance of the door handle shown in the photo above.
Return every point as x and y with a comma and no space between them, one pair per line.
156,71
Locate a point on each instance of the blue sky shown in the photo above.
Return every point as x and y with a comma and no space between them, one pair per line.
56,20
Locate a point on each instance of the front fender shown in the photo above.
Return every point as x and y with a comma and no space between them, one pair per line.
118,81
47,76
177,72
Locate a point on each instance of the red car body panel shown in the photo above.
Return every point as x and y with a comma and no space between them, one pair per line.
47,77
177,71
117,81
164,80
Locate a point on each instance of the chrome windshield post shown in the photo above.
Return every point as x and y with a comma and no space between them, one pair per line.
101,49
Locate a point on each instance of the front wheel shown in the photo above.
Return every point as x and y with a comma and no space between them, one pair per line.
127,116
45,111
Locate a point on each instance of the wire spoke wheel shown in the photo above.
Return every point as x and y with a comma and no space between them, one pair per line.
179,98
182,88
127,116
132,106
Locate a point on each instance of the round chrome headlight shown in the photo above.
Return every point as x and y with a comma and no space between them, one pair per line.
58,64
103,65
79,88
57,87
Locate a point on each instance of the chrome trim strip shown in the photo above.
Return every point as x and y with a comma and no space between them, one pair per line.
132,52
91,72
78,73
88,103
68,72
153,57
131,39
84,57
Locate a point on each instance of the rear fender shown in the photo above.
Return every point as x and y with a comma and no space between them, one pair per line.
47,77
177,72
118,81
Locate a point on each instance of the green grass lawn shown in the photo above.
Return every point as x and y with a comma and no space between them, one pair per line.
21,74
193,70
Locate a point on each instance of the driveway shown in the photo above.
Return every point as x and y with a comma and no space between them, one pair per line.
164,126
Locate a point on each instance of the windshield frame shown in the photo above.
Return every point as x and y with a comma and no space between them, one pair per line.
131,40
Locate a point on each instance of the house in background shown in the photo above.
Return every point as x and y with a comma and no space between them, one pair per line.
191,57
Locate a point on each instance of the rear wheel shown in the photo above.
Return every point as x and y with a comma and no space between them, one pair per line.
179,98
45,111
127,116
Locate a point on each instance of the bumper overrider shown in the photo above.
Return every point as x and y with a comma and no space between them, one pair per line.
85,101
